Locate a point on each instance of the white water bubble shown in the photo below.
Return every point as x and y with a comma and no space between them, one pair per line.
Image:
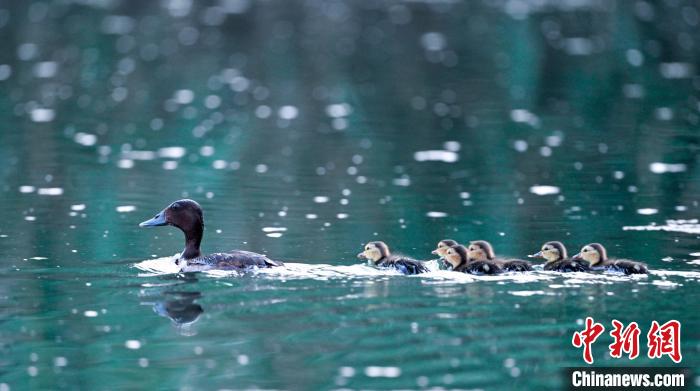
544,190
520,145
50,191
452,146
85,139
436,155
42,115
90,314
172,152
663,168
338,110
5,72
676,70
125,208
26,189
132,344
376,371
321,199
436,214
288,112
433,41
45,69
183,96
647,211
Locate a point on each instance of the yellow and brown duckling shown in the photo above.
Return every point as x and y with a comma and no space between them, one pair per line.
481,250
441,250
558,260
187,216
596,255
379,255
458,258
443,246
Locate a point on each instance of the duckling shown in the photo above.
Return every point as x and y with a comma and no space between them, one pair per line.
557,259
379,255
482,250
458,257
441,250
597,256
188,217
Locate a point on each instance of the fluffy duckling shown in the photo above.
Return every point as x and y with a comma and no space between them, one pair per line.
458,258
379,255
441,250
187,216
596,255
557,259
481,250
443,246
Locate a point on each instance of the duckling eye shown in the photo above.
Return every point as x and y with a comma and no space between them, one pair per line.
367,248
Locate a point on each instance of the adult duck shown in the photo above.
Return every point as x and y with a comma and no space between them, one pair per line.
187,216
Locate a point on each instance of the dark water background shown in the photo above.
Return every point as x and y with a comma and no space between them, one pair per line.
547,120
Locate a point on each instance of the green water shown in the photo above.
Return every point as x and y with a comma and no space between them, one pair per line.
308,116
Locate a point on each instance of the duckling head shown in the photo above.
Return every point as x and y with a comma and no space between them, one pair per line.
480,250
374,251
592,253
456,255
551,252
443,246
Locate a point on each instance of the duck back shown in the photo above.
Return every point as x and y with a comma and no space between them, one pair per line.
625,266
480,267
404,265
237,259
514,265
568,265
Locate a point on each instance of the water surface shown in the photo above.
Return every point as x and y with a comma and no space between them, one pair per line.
306,129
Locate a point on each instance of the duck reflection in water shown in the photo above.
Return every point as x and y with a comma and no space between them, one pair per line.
182,310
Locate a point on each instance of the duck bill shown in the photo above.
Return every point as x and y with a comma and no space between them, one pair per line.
434,252
361,255
157,221
577,257
536,255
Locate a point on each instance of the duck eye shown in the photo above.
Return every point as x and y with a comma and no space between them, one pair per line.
175,206
585,250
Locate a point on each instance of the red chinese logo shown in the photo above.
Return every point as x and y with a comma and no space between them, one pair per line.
661,339
626,340
586,338
665,340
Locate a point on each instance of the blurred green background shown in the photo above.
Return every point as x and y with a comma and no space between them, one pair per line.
338,122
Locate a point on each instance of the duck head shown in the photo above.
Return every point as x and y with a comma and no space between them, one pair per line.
592,253
187,216
480,250
551,252
443,246
456,255
374,252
